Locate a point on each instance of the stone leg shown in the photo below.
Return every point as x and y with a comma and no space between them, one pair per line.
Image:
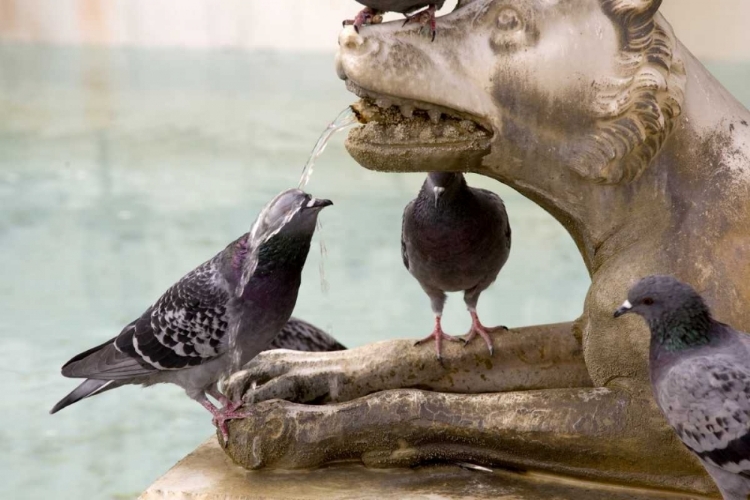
594,433
539,357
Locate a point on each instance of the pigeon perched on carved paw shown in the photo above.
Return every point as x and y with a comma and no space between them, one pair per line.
374,10
213,320
700,375
455,238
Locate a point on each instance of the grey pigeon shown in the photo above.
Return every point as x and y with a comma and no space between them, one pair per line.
374,10
215,319
700,375
299,335
455,238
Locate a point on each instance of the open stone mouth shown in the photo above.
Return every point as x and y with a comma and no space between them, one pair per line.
394,121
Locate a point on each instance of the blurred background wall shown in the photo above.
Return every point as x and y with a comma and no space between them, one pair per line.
712,29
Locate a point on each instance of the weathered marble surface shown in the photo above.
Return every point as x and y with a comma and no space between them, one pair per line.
207,474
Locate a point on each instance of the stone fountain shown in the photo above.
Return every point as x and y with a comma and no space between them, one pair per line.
594,110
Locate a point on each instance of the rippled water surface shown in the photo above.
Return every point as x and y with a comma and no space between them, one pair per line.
121,170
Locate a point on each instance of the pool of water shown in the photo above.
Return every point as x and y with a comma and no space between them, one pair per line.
121,170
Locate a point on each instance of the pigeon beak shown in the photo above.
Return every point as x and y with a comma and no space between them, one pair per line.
624,308
438,190
318,203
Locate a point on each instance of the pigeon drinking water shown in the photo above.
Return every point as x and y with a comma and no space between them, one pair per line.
455,238
215,319
374,10
700,375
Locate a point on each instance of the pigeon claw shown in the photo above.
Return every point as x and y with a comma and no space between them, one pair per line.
438,336
424,18
477,328
224,415
365,16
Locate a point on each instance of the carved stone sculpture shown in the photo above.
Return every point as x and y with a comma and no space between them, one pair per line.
595,111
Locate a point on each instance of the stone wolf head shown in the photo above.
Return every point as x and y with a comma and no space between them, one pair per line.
594,85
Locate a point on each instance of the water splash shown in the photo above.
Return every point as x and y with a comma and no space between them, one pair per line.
345,119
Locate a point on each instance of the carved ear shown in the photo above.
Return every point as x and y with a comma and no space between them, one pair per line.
643,7
634,19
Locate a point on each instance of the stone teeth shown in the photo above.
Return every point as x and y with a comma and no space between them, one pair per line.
407,110
434,115
384,103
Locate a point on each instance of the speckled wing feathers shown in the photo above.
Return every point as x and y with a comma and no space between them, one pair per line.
707,402
188,324
300,335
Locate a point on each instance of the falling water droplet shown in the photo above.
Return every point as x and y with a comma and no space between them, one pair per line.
324,286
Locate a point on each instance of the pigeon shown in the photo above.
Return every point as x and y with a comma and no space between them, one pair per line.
700,376
374,10
454,238
215,319
299,335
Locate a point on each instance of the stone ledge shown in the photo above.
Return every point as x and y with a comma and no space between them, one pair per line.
208,474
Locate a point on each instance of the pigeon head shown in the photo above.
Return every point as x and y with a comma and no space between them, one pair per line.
443,185
280,236
676,314
292,211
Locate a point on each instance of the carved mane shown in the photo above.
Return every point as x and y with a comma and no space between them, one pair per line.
637,108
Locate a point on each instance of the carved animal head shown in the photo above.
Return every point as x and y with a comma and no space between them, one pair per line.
593,85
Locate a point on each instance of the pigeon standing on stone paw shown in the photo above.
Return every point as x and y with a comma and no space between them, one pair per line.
215,319
700,375
455,238
374,10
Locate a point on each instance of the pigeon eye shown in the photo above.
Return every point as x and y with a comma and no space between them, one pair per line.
509,20
648,301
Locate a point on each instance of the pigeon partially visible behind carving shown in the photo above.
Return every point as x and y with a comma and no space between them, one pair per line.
700,375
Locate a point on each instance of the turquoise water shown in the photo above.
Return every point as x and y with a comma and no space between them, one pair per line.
121,170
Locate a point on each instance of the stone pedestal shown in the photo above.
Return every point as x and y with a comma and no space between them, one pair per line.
207,473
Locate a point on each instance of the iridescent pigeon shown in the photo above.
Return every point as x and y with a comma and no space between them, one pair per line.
700,375
455,238
213,320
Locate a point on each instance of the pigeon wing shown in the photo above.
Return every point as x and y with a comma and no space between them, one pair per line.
497,202
707,401
407,214
299,335
187,326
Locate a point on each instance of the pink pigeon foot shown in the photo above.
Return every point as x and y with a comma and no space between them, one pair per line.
223,415
438,335
365,16
477,328
424,18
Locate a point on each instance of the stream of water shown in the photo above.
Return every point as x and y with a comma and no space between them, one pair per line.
345,119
